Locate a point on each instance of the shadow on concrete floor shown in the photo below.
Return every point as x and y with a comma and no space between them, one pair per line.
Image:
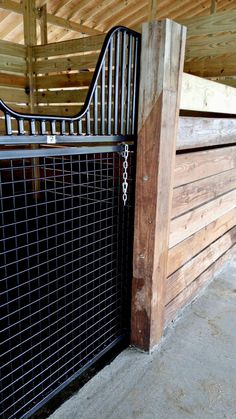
192,375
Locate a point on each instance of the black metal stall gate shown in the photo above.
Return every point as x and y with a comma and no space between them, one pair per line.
66,233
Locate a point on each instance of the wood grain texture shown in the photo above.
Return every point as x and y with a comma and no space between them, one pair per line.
198,94
211,46
61,96
12,64
192,195
215,23
198,165
162,62
91,43
180,279
11,80
189,293
64,80
74,62
13,50
190,247
193,221
195,132
220,65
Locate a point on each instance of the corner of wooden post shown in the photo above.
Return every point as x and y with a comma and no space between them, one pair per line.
162,58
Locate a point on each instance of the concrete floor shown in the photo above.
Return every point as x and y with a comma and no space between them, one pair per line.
192,374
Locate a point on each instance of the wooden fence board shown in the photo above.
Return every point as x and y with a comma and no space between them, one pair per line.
11,49
198,165
10,80
221,65
91,43
180,280
188,248
192,195
188,224
61,96
64,80
12,64
71,63
195,132
13,95
198,94
173,308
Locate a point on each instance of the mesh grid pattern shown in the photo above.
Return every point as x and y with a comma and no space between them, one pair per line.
65,256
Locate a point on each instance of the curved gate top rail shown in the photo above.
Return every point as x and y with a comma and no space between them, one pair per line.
111,104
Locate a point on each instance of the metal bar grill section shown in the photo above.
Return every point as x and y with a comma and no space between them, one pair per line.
64,268
109,108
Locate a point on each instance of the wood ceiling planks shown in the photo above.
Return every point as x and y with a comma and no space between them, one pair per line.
93,16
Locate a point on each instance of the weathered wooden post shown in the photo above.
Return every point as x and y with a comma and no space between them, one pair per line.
162,58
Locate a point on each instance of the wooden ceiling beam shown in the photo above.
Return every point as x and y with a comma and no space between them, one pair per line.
69,24
152,9
11,6
54,20
213,6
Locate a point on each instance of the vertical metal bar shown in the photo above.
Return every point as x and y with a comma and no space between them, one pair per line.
80,127
109,104
21,126
102,105
88,122
32,127
43,126
63,127
53,127
130,46
116,98
122,97
135,85
95,111
71,127
8,124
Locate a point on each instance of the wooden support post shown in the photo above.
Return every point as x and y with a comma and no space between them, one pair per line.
162,58
152,10
43,24
30,38
213,6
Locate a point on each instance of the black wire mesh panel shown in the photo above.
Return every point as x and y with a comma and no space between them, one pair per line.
65,260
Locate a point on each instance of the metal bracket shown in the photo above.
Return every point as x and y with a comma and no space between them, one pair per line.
51,139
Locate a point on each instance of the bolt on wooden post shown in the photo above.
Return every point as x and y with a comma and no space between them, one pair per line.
162,58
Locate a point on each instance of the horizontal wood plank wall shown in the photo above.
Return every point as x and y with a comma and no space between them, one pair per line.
13,80
63,73
203,219
211,43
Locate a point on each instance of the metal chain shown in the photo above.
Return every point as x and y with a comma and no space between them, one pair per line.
125,155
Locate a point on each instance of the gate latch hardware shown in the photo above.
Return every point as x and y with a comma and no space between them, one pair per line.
51,139
125,155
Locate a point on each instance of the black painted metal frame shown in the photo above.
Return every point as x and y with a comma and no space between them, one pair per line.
50,189
110,108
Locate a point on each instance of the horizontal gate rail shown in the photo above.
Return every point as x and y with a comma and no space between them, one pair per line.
46,152
61,139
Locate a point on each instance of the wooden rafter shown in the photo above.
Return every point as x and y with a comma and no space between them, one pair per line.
54,20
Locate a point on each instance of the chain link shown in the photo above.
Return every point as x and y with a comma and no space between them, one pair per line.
125,155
